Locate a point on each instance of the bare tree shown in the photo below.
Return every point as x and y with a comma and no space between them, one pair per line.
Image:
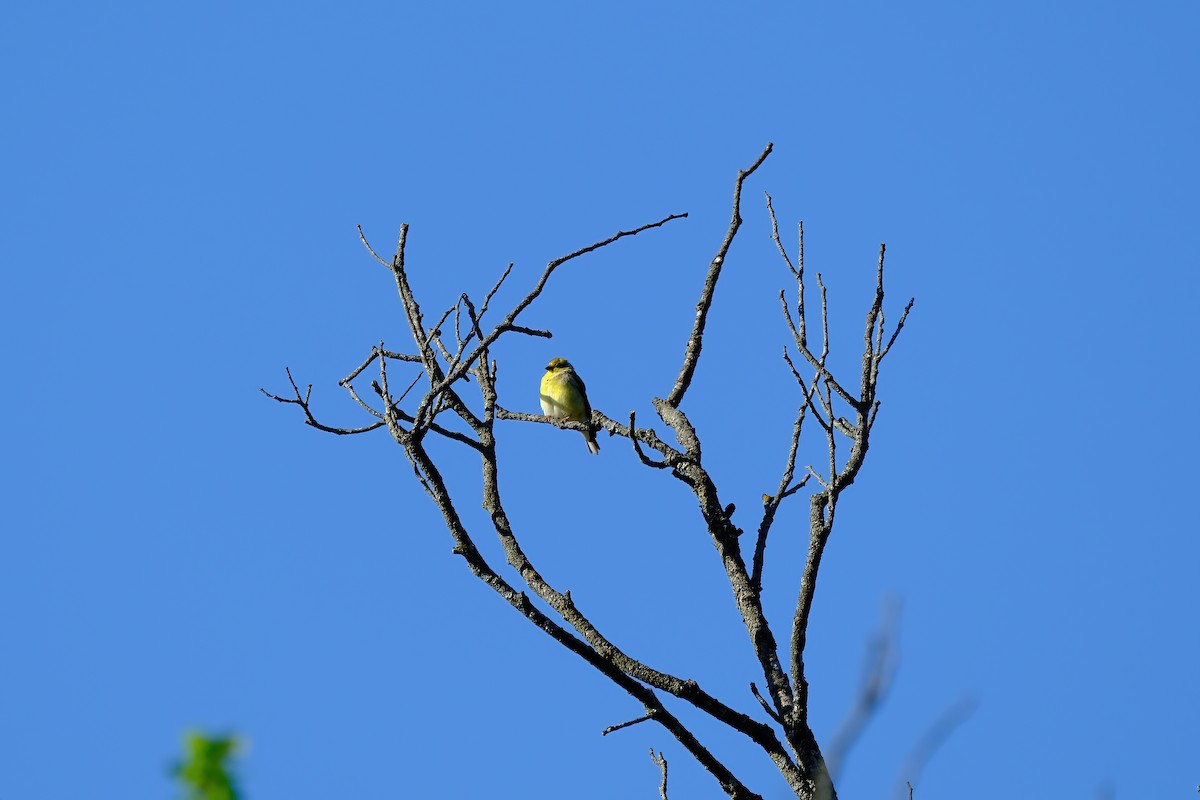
452,356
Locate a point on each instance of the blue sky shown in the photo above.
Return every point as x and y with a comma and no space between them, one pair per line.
181,185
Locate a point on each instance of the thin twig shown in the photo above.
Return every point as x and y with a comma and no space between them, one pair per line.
775,236
358,370
661,761
637,447
436,330
309,419
812,473
530,331
349,387
404,394
799,328
899,327
619,726
762,702
491,293
366,244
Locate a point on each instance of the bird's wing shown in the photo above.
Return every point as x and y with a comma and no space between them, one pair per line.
587,405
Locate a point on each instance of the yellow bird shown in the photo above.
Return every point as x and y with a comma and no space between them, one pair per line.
565,397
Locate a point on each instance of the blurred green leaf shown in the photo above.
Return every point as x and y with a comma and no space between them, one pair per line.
207,770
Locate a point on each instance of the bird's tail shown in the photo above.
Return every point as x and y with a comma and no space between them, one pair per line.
593,445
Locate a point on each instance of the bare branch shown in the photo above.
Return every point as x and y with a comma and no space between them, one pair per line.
404,394
358,370
825,326
823,505
530,331
363,238
487,300
474,333
434,335
899,327
812,473
637,448
762,702
797,335
412,309
436,330
558,262
408,357
542,419
661,761
691,355
831,443
389,407
725,535
440,387
565,606
775,236
798,329
612,728
435,485
795,373
645,436
349,387
403,416
309,419
441,394
800,258
771,503
870,365
802,338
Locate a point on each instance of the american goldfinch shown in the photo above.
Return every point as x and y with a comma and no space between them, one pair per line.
565,397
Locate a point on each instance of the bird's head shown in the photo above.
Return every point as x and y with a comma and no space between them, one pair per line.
557,364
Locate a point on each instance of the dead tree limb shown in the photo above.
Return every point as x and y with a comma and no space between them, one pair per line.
455,352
